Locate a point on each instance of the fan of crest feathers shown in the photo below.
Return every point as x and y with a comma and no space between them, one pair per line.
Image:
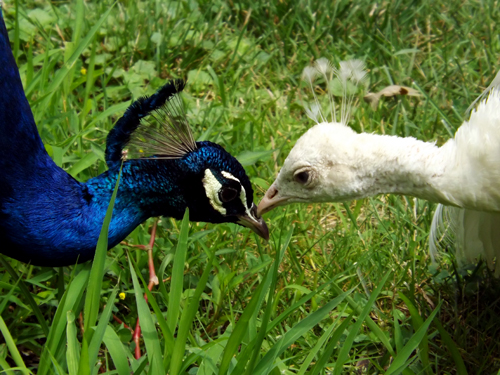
333,163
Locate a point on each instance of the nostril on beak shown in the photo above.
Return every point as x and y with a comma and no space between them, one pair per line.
271,193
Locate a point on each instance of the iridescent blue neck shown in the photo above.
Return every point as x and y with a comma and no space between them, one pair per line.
144,185
57,221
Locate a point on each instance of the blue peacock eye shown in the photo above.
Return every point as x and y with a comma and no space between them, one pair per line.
227,194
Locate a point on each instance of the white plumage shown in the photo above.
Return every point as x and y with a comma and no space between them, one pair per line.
332,163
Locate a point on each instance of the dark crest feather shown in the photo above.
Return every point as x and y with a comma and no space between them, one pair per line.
154,125
165,133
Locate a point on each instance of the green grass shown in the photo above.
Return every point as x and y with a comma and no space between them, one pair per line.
344,289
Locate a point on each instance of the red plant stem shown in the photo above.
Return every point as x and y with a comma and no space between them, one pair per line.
119,321
153,280
80,320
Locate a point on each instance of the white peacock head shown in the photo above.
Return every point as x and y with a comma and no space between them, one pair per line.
318,167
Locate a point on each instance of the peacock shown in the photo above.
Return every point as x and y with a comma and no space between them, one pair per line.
333,163
47,218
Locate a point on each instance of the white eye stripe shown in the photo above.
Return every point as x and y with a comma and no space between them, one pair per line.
230,176
243,195
243,198
212,187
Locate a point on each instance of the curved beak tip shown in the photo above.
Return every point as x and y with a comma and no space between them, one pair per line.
264,230
255,222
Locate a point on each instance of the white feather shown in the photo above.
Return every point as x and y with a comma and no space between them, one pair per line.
323,66
309,74
345,71
313,111
471,235
358,71
463,175
350,73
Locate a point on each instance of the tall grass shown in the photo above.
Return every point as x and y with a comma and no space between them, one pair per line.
340,288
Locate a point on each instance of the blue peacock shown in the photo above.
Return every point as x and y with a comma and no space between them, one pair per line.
48,218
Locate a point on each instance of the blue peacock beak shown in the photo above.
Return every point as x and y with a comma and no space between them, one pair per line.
254,222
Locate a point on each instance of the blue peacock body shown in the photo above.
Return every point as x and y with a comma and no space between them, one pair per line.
48,218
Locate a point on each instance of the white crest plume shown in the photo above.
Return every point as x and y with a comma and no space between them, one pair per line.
351,73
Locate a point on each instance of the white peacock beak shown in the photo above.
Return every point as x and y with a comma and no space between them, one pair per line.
271,199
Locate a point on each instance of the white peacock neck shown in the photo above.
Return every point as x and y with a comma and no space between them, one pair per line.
391,164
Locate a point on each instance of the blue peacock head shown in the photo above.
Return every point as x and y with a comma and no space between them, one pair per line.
201,176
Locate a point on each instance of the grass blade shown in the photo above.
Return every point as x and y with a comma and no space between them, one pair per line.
27,295
71,300
97,337
176,286
148,329
344,352
73,352
369,322
16,356
62,72
452,347
241,326
82,164
400,360
167,335
187,318
93,296
269,307
297,331
314,351
327,353
417,323
116,351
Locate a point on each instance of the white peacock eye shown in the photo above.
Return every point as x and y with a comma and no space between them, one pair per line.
303,177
